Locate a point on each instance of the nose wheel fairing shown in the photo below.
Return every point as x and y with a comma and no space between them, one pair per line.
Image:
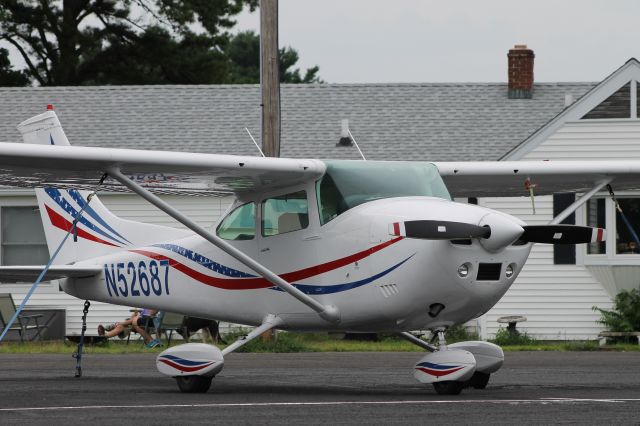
451,368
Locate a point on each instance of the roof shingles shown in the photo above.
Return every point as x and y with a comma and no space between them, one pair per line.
431,122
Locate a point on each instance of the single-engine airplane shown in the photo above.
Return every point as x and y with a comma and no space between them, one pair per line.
359,246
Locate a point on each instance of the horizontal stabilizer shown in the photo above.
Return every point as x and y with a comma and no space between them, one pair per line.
562,234
22,274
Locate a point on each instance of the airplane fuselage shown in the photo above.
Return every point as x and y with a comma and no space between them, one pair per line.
377,280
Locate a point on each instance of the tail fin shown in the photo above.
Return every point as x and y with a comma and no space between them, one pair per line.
99,231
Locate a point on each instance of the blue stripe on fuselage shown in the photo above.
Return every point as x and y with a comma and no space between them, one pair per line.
204,261
337,288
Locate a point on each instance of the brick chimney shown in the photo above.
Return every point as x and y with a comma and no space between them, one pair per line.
520,72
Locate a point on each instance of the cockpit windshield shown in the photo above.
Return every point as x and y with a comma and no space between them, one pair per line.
347,184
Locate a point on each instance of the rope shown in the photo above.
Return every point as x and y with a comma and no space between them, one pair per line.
53,257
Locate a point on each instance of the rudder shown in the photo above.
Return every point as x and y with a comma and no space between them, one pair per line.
99,232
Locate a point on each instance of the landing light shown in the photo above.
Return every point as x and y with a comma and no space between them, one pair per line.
463,270
509,271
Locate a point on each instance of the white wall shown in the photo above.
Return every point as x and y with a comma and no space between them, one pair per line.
591,140
558,299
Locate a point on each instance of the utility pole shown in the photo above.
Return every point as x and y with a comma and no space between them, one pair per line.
270,88
270,78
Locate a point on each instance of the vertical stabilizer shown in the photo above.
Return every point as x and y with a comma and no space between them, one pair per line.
99,231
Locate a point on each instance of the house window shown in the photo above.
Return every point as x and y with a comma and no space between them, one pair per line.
621,246
596,217
22,239
625,241
285,213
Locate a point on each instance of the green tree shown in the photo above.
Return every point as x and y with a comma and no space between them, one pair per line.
243,52
8,76
75,42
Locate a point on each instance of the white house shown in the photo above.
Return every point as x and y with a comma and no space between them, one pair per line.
458,121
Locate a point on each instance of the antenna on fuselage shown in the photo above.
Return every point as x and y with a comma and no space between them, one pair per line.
254,142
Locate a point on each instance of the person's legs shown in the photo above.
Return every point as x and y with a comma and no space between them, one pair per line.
139,327
119,327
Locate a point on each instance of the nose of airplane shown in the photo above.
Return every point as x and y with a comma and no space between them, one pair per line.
504,231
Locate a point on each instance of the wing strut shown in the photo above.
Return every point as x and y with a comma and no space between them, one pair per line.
327,312
580,201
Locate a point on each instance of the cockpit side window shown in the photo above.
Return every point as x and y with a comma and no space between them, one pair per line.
285,213
240,224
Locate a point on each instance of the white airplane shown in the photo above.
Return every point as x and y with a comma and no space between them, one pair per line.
308,245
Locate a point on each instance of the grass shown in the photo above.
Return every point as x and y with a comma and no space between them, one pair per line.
308,342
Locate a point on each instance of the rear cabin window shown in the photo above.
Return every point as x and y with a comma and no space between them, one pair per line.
347,184
285,213
240,224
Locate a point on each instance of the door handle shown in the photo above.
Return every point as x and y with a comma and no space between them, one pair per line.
264,249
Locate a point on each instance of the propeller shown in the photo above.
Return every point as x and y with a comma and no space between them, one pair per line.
439,230
562,234
447,230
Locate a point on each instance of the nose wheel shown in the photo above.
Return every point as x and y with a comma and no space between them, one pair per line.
194,384
449,387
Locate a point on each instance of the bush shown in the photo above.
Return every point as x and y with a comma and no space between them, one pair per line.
625,315
506,338
459,333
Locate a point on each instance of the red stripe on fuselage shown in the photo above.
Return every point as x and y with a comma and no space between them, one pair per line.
256,283
60,222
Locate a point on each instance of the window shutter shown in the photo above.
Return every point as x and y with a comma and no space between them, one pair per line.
564,254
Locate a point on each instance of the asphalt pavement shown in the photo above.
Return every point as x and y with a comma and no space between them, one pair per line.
320,388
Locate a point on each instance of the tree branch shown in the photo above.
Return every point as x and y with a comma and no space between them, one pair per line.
53,22
32,68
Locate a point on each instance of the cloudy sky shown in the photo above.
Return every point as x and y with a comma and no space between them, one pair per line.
365,41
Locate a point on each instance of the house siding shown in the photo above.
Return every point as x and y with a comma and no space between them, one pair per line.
558,299
591,140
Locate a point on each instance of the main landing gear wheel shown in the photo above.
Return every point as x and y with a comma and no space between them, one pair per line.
448,387
194,384
479,380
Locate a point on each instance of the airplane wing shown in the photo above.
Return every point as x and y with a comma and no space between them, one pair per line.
28,274
509,178
31,166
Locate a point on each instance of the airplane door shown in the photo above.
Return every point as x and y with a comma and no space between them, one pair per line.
288,239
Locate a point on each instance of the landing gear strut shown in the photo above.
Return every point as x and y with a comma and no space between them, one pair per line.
194,365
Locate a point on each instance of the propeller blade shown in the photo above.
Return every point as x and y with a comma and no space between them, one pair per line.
438,230
562,234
